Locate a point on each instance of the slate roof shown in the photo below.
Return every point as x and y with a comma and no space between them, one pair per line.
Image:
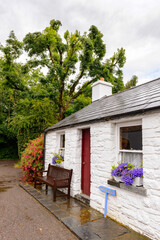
139,99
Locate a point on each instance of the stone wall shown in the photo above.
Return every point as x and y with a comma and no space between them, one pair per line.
72,157
141,213
50,147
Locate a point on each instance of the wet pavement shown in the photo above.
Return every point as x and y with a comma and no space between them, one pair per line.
21,215
85,222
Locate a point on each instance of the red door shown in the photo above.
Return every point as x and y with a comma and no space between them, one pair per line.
85,180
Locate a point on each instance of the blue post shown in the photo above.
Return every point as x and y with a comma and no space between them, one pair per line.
105,207
107,191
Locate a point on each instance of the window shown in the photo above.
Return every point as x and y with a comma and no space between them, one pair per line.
130,143
62,144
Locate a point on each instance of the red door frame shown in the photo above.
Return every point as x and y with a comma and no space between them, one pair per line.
85,174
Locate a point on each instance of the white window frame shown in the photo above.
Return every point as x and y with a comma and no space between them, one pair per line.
126,124
59,147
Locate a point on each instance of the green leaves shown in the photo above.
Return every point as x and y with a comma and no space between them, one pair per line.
36,99
55,24
73,59
132,82
96,36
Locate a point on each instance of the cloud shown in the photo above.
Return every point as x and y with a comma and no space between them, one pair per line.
133,25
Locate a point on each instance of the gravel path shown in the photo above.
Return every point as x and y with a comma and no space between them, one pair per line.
21,216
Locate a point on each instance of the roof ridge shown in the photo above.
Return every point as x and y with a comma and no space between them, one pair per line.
120,104
129,89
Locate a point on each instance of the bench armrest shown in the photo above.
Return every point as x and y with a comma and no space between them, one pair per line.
43,171
40,172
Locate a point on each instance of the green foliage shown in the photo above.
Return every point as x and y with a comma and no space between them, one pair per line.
8,151
25,111
33,118
32,158
65,82
31,101
132,83
129,166
82,101
12,72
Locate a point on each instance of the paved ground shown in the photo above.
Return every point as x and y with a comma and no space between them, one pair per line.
35,216
21,216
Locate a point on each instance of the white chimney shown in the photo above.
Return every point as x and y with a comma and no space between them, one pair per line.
101,89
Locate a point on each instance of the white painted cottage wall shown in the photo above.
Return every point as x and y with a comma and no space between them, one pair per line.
50,147
103,150
73,157
72,154
140,213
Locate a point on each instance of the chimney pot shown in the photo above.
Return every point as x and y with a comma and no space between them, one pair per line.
101,89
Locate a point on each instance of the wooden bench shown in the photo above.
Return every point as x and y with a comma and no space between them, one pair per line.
56,177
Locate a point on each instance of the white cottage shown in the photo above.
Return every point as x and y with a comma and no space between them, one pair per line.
96,137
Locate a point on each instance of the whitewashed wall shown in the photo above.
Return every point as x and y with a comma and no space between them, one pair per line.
73,158
50,147
72,154
141,213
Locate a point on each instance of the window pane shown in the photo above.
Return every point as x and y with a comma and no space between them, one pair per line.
134,158
62,141
131,138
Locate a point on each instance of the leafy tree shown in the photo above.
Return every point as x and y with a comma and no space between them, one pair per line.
23,115
31,101
32,118
12,72
70,61
132,83
80,102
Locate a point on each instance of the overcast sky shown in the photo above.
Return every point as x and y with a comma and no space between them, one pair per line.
131,24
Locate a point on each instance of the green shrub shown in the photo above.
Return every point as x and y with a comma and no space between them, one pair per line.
32,158
23,137
8,151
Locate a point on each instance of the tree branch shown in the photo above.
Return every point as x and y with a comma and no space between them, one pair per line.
60,53
50,54
76,83
81,90
71,57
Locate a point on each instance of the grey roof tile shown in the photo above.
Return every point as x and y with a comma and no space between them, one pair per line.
138,99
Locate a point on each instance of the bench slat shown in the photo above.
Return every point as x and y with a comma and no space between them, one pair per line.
56,177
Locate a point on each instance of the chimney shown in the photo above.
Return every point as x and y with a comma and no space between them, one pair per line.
101,89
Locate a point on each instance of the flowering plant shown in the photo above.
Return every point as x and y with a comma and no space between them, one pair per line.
129,176
58,158
32,158
122,167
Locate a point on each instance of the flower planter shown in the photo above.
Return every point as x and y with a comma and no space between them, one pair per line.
117,178
138,181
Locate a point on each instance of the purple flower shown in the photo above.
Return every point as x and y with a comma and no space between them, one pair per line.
57,159
53,160
121,168
129,176
137,172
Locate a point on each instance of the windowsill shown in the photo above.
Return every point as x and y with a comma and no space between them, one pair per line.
138,190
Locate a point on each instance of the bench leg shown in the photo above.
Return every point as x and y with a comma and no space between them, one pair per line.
46,188
54,193
68,196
